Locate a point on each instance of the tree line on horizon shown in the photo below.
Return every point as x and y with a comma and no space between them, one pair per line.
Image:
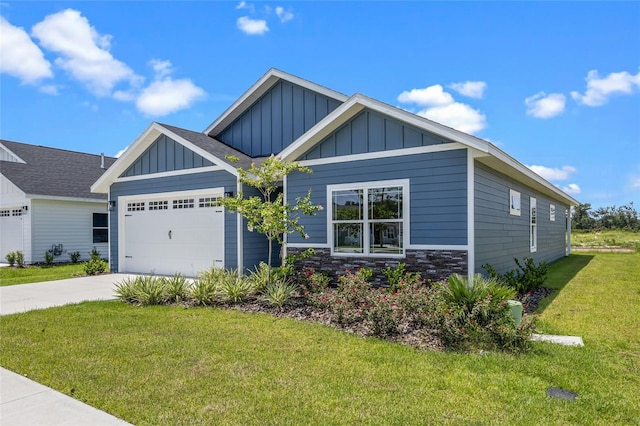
605,218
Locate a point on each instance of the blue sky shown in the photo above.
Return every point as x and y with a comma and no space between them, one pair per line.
555,85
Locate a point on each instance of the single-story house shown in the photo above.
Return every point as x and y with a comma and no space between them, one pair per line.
395,187
46,204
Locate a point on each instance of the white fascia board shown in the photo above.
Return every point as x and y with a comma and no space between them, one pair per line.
261,87
138,147
134,150
13,154
171,173
530,174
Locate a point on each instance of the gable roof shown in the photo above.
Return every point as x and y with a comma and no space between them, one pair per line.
52,172
258,89
485,151
203,145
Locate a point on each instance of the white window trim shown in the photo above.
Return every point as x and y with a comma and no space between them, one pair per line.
513,209
533,227
552,212
365,186
93,228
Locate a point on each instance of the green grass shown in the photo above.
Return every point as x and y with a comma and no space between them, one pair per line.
171,365
616,238
34,274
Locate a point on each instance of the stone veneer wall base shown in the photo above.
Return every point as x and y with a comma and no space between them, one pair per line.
434,265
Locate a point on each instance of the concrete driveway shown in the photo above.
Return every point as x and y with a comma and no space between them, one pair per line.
24,402
27,297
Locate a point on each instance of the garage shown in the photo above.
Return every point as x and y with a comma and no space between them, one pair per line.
11,229
164,234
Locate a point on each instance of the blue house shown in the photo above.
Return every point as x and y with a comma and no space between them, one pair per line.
396,187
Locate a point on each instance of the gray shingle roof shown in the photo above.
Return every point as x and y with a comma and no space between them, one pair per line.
214,147
53,172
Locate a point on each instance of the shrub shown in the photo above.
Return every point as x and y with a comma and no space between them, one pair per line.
150,290
398,277
279,292
464,293
48,258
525,278
94,254
20,259
312,282
261,276
204,291
75,256
421,305
11,258
384,316
126,290
235,287
176,288
95,267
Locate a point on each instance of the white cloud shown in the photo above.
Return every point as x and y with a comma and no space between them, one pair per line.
429,96
284,15
572,189
457,115
472,89
542,105
635,183
49,89
244,5
550,173
166,96
252,26
119,153
21,57
600,89
84,53
161,68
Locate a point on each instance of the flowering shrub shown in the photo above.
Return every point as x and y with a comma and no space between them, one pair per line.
311,281
384,315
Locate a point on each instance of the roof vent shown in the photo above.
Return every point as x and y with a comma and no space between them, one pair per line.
102,160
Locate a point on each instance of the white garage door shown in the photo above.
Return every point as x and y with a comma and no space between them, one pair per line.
10,231
182,233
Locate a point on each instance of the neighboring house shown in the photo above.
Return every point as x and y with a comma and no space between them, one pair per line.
396,187
46,204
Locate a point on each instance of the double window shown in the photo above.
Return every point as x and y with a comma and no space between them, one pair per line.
368,219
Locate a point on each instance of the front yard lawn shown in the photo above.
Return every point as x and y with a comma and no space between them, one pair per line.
35,274
171,365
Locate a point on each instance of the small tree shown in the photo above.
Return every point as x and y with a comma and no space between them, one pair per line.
269,214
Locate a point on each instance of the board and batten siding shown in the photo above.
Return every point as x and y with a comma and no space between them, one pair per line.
369,131
501,236
165,155
278,118
69,223
438,193
188,182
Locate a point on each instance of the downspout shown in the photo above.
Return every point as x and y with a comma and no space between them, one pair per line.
239,231
471,246
109,228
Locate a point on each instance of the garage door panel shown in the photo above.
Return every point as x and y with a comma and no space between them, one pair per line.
180,239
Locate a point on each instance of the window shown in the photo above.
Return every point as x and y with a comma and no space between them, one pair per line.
135,207
552,212
100,228
533,237
514,202
183,204
158,205
5,213
207,202
368,219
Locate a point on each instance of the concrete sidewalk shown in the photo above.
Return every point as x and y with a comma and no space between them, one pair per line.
24,402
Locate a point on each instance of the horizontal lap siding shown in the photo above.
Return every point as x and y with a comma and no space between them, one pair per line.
438,192
500,236
178,183
278,118
69,223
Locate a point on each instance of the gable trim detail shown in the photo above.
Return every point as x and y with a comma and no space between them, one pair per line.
170,173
